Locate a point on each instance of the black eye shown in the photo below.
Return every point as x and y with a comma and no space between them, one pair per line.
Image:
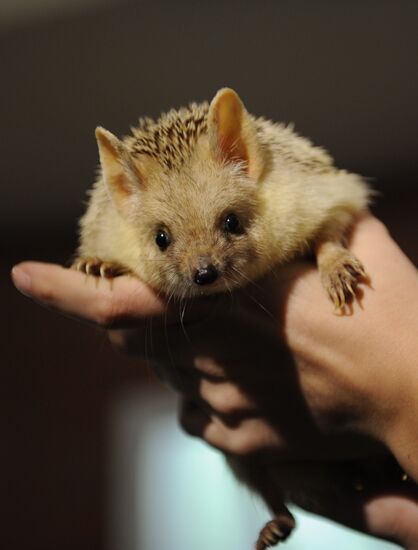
232,224
162,239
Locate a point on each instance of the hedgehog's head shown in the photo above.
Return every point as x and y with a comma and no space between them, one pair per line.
196,224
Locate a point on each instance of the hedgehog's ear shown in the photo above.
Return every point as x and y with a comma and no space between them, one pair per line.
120,174
232,133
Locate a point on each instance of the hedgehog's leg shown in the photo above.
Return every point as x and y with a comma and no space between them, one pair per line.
99,268
266,481
276,530
340,270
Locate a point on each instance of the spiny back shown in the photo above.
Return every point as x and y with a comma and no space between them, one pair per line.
171,139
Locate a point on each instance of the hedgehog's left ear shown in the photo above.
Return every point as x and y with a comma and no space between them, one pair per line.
232,133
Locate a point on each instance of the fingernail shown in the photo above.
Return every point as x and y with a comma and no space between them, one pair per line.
21,280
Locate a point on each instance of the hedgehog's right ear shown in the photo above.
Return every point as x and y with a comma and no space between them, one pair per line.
232,133
120,174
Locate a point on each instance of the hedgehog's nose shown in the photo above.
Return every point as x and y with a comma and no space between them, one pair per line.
205,275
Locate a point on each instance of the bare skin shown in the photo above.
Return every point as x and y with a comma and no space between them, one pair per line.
274,370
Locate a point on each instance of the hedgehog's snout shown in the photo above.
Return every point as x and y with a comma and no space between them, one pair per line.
206,275
204,271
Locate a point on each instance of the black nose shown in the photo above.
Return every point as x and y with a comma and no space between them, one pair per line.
205,275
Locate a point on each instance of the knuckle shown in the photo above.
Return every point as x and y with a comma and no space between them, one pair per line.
226,399
240,444
208,366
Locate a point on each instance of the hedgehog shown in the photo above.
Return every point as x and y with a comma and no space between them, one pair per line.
209,198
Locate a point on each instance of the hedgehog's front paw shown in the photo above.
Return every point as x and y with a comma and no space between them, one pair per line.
98,268
340,273
275,531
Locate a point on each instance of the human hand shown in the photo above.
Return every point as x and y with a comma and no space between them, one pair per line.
233,407
272,360
290,379
276,362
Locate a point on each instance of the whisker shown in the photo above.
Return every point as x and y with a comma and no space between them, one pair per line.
268,312
230,293
165,324
182,313
244,276
247,293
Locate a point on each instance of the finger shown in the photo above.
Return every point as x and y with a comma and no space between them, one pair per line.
393,516
225,398
250,436
198,422
105,303
209,367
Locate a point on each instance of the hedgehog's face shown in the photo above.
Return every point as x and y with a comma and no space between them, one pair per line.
199,231
192,197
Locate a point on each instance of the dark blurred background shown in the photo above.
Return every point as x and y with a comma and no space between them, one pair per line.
344,72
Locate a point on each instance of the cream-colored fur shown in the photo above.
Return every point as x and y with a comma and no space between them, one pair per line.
193,166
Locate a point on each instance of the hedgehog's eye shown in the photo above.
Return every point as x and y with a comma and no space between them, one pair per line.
162,239
232,224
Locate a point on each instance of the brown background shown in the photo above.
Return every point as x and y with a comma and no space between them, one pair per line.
344,72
